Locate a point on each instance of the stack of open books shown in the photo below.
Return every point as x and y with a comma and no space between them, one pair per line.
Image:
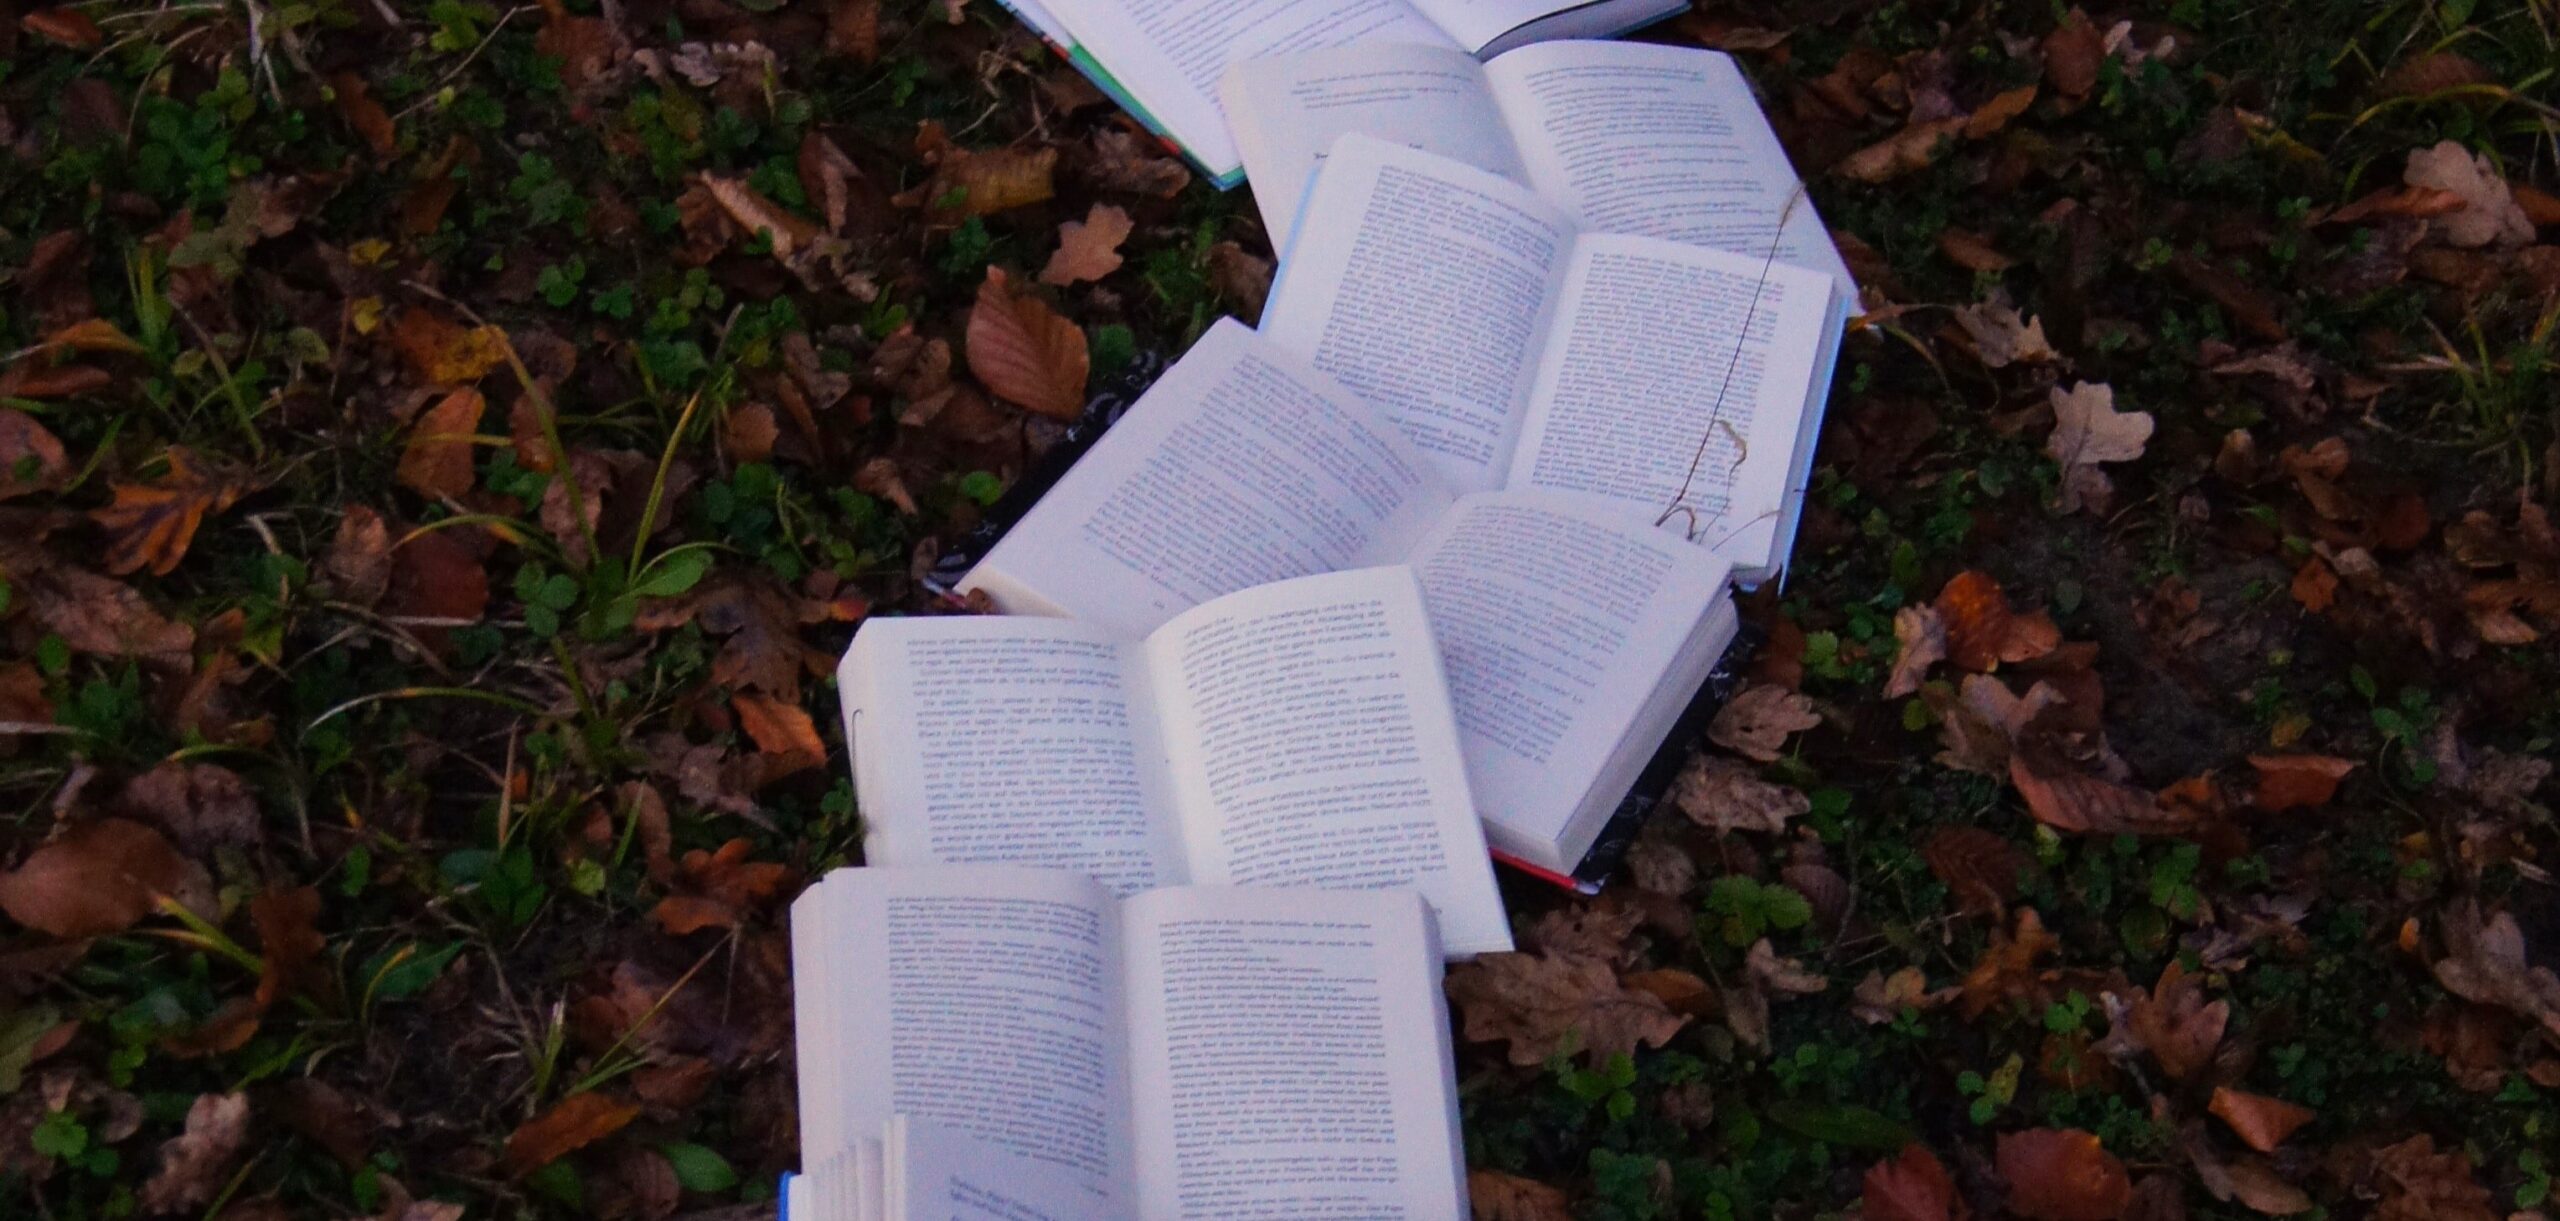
1165,860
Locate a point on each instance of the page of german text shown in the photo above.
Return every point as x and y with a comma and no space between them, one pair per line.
985,999
1664,142
1241,466
1423,284
1312,745
1674,384
997,740
1287,111
1555,617
941,1174
1290,1058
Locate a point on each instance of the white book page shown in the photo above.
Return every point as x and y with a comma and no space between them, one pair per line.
1674,385
870,1180
939,1174
1290,1053
986,999
1312,745
1425,285
1169,54
1479,24
1556,617
994,740
1239,467
1287,111
1661,141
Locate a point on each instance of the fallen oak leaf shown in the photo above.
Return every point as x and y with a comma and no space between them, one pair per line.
1724,796
437,461
2088,431
2315,585
1911,1186
1756,722
1542,1004
2261,1122
152,525
570,1124
2002,337
443,352
1882,998
2292,782
196,1163
2064,1175
2171,1020
1025,352
2007,969
1088,249
2484,961
1980,868
1920,639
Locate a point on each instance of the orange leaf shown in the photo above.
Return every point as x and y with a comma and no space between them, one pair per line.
1996,113
1088,249
750,432
1495,1196
152,525
2315,585
981,184
1912,1187
1982,631
682,914
366,116
98,878
1025,352
288,940
68,26
31,457
2261,1121
26,380
780,730
2063,1176
2291,782
2007,968
444,352
92,335
2174,1022
437,462
574,1122
1912,148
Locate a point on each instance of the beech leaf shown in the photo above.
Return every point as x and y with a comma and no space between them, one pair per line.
437,462
2063,1175
2292,782
151,525
98,878
1026,352
1912,1186
572,1123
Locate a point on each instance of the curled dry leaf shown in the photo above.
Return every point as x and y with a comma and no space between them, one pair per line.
359,559
2002,337
2292,782
2064,1175
1920,639
1025,351
982,184
2072,53
31,457
1495,1196
1982,632
437,460
2074,801
1911,1186
792,234
202,806
68,26
1088,249
786,738
1544,1004
1881,998
98,878
364,115
1911,148
1991,116
152,525
443,352
750,432
2007,969
2262,1122
2420,1184
1756,722
572,1123
1722,795
2489,214
196,1163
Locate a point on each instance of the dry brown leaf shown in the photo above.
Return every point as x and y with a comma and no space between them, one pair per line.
1542,1004
1912,1186
2255,1184
2001,337
1495,1196
92,335
2262,1122
437,462
749,432
33,379
2072,53
1242,279
97,878
2007,969
1723,795
2064,1175
827,174
1996,113
2171,1020
359,560
68,26
2291,782
1981,869
572,1123
2088,431
1973,252
201,806
1912,148
2420,1184
747,208
196,1163
853,30
101,616
1088,249
2485,961
1982,632
443,352
981,184
1920,637
2430,73
2315,585
151,525
1026,352
289,941
1756,722
31,457
2489,214
1881,998
785,737
371,122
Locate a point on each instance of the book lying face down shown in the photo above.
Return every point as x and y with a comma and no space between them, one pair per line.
1292,734
1571,632
1002,1044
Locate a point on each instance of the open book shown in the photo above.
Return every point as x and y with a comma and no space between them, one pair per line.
1625,137
1571,632
1188,1052
1162,58
1683,384
1292,734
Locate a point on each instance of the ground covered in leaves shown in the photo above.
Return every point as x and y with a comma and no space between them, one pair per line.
444,444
